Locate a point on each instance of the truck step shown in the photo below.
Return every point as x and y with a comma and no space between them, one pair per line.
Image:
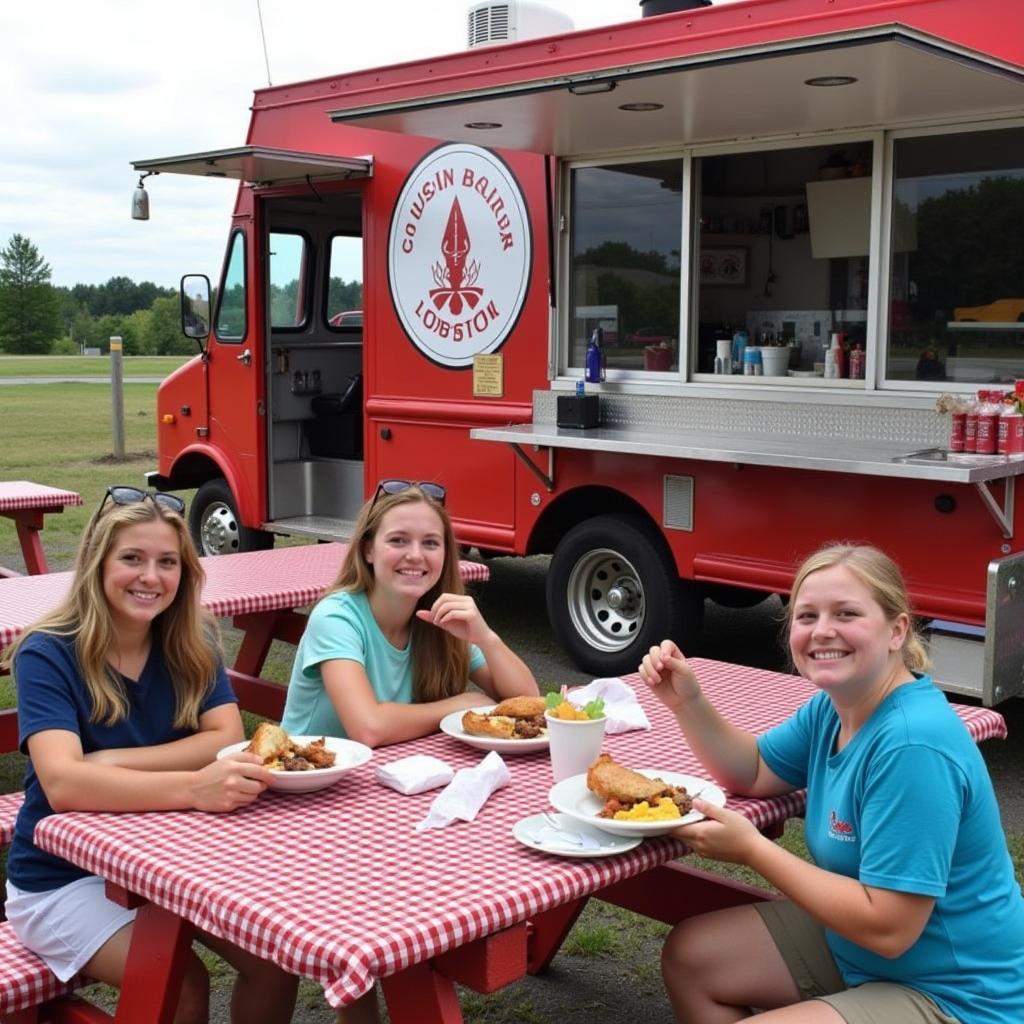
320,527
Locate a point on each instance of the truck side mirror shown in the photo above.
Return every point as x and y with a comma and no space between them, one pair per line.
195,308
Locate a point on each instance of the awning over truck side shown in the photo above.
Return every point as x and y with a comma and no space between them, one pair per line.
261,165
895,74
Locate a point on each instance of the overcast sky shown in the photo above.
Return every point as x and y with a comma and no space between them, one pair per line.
89,85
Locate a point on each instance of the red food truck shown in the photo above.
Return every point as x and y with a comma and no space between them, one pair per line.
421,254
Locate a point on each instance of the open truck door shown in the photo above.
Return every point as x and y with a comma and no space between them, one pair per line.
227,455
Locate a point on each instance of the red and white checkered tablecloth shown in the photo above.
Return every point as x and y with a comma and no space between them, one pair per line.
256,581
21,494
338,886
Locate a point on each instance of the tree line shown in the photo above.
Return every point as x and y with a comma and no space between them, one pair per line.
40,318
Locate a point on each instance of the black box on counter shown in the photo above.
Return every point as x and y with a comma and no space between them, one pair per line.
580,411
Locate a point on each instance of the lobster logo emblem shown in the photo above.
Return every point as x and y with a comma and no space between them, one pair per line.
839,828
455,278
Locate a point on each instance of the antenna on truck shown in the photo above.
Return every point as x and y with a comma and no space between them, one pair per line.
263,39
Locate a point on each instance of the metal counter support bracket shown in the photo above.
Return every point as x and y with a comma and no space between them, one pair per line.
547,480
1003,516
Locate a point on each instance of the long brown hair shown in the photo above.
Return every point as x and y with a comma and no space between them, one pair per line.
882,576
440,661
186,633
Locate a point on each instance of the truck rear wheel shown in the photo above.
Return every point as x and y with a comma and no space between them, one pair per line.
613,592
216,526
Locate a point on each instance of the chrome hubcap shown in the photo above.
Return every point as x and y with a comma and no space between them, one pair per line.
219,531
606,600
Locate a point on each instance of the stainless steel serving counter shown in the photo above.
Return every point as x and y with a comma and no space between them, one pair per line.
873,458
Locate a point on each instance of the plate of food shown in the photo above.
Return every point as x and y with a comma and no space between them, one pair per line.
624,802
563,836
302,764
515,726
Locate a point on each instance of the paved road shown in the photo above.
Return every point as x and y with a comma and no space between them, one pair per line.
77,380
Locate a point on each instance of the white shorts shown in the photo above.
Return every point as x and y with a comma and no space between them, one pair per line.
66,926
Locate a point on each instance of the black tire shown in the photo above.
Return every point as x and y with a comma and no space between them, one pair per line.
613,592
735,597
215,525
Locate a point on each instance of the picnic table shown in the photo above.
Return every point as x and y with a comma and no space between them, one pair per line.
28,504
339,886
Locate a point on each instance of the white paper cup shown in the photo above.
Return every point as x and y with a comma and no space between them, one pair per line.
574,744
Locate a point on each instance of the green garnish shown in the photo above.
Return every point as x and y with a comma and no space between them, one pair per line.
552,700
595,709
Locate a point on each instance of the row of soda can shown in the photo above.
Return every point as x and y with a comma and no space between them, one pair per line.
990,424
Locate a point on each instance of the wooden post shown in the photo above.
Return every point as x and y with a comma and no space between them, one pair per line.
117,396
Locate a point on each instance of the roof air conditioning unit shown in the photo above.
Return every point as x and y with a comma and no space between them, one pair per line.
493,22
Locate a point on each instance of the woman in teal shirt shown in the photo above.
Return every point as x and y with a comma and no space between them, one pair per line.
391,648
910,910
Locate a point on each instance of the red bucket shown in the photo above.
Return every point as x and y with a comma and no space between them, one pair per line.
657,358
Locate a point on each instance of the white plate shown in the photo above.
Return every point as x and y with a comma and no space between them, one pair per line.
571,796
451,725
349,755
537,834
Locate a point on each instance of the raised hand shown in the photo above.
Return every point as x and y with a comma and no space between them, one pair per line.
669,676
458,615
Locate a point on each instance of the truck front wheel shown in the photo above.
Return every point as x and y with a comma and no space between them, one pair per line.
613,592
216,526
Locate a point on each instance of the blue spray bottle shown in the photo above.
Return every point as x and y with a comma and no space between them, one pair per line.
594,362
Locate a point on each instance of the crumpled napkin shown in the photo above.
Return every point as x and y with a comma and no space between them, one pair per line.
621,707
463,797
415,774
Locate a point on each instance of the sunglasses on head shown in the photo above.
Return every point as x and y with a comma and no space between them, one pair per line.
123,495
428,487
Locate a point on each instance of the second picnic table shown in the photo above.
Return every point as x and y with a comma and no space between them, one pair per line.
28,503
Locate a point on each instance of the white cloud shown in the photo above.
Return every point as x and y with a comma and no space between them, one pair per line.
87,87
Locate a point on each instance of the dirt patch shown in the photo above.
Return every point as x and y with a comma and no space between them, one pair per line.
117,460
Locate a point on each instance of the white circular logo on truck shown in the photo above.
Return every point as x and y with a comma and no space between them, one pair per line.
459,254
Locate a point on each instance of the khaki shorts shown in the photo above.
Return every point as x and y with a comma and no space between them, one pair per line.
801,941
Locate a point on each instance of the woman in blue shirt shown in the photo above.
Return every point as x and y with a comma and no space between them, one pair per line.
910,910
122,706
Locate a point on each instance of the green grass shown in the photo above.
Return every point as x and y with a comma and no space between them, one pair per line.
62,435
87,366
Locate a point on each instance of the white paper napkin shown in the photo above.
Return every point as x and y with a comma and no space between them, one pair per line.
463,797
620,704
415,774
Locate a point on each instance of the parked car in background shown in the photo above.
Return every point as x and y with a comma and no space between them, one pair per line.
650,336
348,318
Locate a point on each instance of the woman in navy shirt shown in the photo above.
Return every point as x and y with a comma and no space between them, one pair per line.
910,910
122,706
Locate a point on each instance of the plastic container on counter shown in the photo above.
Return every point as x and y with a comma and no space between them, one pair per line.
971,425
857,363
753,363
1010,439
958,427
989,408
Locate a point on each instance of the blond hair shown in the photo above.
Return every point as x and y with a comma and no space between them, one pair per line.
882,576
186,633
440,661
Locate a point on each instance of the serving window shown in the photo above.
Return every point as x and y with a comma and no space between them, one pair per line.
782,256
625,267
956,263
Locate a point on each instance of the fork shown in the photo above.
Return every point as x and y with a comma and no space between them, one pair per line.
584,840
